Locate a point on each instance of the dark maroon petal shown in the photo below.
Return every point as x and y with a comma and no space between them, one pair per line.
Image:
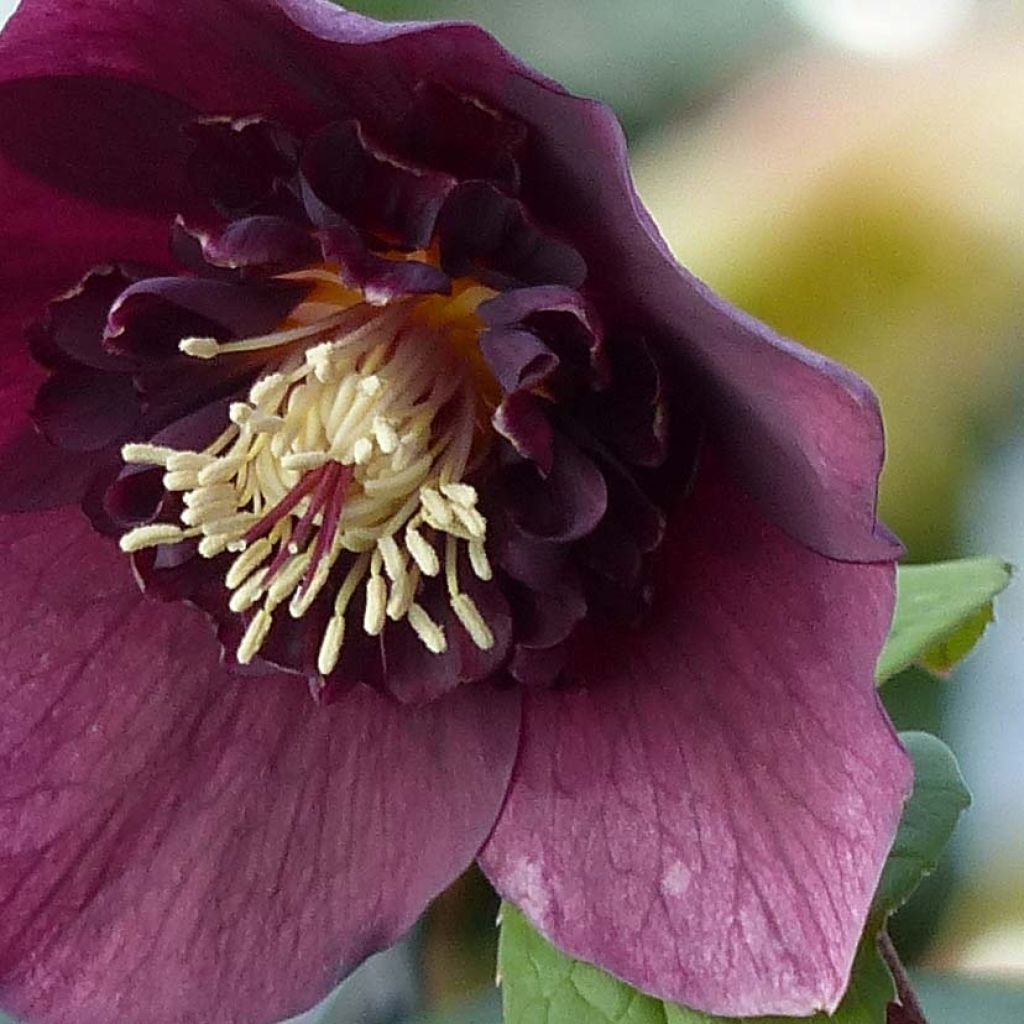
413,675
631,416
518,359
172,835
99,138
368,188
519,306
546,619
152,316
539,564
538,667
461,135
706,813
73,326
241,164
566,504
381,279
35,474
488,235
522,419
83,410
266,244
133,498
56,238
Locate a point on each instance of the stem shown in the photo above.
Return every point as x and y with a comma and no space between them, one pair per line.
908,1000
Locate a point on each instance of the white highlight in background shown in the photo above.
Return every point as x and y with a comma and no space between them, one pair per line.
886,28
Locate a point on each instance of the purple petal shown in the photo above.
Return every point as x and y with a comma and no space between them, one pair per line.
381,279
179,843
564,505
87,136
84,410
150,317
241,164
518,359
707,815
56,238
458,134
489,235
522,420
369,188
267,244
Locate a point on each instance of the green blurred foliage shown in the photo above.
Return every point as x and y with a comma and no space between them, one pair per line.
647,59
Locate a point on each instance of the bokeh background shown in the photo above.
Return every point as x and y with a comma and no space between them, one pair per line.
852,172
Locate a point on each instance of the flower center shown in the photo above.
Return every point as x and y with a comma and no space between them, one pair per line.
344,470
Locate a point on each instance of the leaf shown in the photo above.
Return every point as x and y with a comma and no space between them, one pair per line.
541,985
939,798
941,612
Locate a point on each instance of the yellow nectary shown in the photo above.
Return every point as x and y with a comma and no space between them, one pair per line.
346,465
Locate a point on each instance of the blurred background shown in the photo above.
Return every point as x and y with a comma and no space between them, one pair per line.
852,172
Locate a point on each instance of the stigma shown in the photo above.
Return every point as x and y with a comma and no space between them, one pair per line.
341,473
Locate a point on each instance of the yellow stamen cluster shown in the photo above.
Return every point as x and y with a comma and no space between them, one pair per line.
339,469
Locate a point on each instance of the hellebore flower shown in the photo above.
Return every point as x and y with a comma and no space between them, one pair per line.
517,542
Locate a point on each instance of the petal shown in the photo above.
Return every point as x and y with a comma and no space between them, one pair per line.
369,188
181,844
271,245
562,506
58,238
805,435
380,279
707,817
84,410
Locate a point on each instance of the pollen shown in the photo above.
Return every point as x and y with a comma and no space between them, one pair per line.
341,473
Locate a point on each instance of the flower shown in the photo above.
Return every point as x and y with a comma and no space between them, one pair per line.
517,542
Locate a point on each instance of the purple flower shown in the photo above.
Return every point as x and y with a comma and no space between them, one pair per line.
431,512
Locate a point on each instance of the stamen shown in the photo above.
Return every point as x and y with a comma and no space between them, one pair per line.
470,617
152,536
478,560
152,454
342,468
255,636
429,632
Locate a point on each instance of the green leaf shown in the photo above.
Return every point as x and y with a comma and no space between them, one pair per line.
940,796
541,984
941,612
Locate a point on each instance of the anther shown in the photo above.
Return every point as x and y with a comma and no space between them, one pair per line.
330,646
461,494
180,480
221,470
199,348
386,436
151,536
430,633
470,617
436,509
376,605
151,454
247,561
478,560
423,554
255,636
304,461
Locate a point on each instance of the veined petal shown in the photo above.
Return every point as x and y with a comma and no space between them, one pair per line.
709,815
172,835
